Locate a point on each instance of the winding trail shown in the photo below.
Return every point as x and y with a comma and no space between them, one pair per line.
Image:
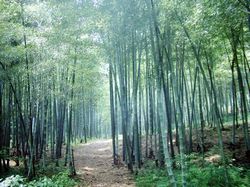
93,162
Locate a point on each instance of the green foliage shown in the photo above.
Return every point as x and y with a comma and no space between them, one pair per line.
210,175
42,182
13,181
50,170
60,180
151,177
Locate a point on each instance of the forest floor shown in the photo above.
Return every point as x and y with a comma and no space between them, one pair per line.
93,162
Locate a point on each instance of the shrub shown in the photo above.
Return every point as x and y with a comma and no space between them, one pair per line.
60,180
13,181
209,175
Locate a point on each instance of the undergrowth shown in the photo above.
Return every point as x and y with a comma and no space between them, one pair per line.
208,175
48,176
62,179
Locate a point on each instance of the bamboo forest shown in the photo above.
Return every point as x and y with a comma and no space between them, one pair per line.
124,93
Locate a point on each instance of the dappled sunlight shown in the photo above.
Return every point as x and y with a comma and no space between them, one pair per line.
12,163
216,158
97,142
94,164
88,169
103,149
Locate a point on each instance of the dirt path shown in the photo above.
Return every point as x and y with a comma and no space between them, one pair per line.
93,163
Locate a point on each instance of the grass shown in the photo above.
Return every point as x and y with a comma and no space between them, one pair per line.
209,175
